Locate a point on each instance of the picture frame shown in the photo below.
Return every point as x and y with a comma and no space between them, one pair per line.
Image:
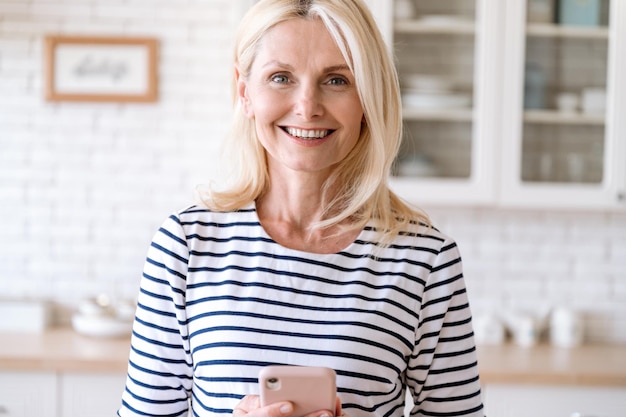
101,69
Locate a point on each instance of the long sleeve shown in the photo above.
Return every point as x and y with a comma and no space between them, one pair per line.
160,366
443,373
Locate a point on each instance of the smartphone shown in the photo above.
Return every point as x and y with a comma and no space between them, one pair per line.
309,388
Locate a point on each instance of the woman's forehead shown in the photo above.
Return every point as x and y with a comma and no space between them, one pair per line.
299,39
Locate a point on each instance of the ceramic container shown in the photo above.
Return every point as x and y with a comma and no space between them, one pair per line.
566,328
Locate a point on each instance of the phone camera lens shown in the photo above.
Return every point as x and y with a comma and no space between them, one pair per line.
272,383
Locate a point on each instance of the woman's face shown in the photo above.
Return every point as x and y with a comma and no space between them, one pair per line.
303,98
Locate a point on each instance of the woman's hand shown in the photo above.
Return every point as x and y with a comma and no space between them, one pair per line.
250,406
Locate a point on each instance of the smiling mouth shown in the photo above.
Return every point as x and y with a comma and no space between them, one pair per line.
307,134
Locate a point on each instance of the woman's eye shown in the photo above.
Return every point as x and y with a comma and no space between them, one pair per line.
279,79
337,81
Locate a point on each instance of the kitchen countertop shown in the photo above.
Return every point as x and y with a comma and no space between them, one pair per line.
63,350
589,364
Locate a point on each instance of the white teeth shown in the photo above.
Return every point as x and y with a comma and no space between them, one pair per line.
307,134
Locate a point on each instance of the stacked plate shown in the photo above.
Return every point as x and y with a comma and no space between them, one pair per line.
430,92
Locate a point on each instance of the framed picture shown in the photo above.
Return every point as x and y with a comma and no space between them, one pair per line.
106,69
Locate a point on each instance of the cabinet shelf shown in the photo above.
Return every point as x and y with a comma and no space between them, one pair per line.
452,27
547,30
455,115
555,117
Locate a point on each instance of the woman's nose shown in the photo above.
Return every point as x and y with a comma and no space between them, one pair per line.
308,102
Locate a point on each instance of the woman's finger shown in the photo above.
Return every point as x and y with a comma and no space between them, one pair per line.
250,406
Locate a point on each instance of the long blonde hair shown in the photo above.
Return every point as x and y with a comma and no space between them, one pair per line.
361,178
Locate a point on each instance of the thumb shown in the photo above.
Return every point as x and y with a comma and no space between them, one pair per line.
279,409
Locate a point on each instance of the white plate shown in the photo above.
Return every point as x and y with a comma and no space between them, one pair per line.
443,20
424,83
101,326
436,101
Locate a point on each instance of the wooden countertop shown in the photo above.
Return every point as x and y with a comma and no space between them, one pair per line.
63,350
544,364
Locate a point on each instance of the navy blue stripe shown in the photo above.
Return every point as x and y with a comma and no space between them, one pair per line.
196,400
300,275
154,310
220,225
314,352
297,307
336,267
446,265
302,335
169,271
292,290
169,252
157,358
173,236
161,374
158,342
303,321
156,326
229,239
141,413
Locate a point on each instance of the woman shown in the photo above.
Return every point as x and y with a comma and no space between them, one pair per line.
307,257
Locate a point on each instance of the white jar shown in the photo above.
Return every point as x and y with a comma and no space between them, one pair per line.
525,331
566,328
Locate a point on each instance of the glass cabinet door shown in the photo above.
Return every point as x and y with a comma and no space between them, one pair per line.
445,52
434,49
560,149
565,82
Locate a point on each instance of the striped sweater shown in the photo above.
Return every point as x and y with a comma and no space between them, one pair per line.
219,299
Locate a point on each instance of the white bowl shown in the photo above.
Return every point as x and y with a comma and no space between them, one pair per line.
101,326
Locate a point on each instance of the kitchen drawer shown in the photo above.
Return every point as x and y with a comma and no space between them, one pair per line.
516,400
28,394
90,394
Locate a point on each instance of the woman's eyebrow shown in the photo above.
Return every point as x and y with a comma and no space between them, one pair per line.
335,68
332,68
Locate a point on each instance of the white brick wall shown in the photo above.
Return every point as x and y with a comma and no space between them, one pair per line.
84,186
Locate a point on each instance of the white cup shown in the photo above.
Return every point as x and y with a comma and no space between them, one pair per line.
566,328
567,102
525,330
594,100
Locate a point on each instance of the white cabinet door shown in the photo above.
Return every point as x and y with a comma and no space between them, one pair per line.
87,394
556,153
28,394
510,400
447,54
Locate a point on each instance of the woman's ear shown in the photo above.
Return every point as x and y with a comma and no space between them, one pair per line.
242,93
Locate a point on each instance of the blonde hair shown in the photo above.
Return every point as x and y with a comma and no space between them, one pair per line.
363,195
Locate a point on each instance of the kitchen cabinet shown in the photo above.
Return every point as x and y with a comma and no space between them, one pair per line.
564,100
95,395
517,400
447,58
27,394
481,80
60,394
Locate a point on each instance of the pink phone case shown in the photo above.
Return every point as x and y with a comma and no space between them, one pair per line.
309,388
